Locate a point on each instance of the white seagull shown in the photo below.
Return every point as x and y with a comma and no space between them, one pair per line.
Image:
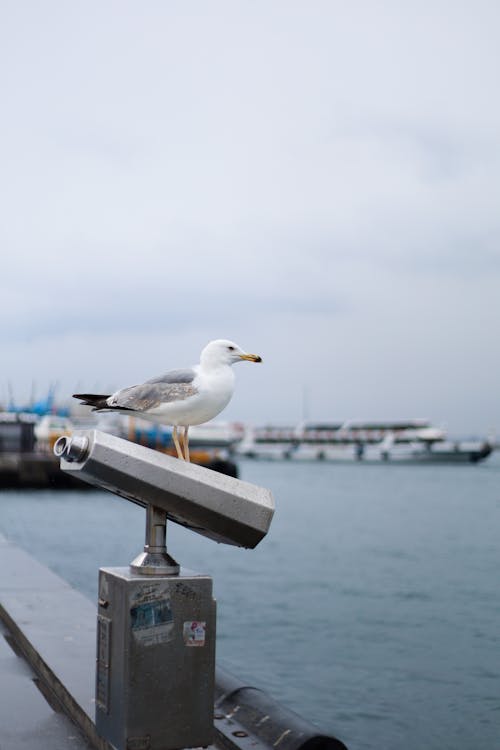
180,397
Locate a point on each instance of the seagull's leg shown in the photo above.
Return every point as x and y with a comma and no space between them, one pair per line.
175,438
186,443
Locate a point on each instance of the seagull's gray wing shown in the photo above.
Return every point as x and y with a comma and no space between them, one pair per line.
175,385
175,376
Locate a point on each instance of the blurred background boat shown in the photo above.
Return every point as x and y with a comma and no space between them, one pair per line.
414,440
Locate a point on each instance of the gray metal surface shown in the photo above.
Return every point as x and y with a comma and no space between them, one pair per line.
155,560
255,721
214,505
156,660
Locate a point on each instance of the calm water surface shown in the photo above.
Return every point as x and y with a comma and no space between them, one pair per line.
372,607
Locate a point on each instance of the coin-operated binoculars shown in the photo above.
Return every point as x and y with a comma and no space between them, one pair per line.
156,621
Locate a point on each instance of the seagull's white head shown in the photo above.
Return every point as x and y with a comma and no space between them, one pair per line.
224,352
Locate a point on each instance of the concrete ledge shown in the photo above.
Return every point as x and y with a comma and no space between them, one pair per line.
53,626
28,718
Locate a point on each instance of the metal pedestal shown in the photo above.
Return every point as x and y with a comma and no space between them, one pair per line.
155,650
155,660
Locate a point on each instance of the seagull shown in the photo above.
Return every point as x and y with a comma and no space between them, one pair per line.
180,397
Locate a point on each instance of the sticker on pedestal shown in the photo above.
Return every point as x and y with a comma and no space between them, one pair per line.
151,616
194,633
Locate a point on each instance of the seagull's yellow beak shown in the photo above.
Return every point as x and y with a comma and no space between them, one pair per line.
251,357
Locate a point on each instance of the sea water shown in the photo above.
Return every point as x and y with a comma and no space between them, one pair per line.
371,608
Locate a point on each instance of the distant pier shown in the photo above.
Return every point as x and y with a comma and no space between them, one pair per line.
34,470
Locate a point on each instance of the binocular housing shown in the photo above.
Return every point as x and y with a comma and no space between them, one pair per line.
211,504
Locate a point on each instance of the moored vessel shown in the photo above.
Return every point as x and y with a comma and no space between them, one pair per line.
397,441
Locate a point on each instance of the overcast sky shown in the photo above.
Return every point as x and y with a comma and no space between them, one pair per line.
318,181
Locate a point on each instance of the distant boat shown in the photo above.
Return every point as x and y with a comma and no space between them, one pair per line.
411,441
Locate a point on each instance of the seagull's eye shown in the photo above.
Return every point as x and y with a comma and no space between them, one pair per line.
231,348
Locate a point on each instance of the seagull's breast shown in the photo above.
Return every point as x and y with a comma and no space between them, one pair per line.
213,391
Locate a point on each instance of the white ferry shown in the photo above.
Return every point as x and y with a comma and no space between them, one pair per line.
413,440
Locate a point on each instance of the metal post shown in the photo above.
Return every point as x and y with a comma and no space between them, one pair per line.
155,560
